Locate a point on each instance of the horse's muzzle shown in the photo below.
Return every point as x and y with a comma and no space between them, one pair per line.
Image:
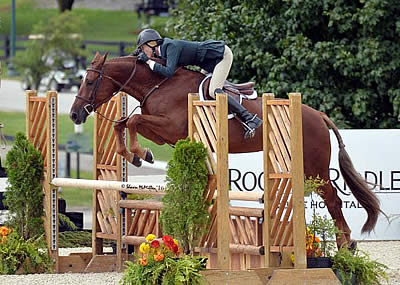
78,117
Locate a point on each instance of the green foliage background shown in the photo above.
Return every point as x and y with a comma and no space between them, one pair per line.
343,56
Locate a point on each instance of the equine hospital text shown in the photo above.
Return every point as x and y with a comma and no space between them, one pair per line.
381,181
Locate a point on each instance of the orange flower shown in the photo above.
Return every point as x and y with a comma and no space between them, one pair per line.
159,257
143,261
4,231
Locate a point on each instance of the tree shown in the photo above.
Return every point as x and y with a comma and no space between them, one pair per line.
56,41
184,214
24,195
343,56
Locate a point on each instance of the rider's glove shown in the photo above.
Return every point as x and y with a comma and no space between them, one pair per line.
142,57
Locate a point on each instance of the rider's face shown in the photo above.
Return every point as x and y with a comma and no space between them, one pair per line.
147,50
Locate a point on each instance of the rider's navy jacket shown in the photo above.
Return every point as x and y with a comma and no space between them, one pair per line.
182,53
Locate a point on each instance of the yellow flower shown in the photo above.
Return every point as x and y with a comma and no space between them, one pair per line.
176,242
144,247
292,258
150,237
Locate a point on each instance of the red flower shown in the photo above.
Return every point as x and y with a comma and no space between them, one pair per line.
167,239
169,242
155,244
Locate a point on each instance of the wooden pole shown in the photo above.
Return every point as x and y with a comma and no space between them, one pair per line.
223,232
97,243
297,181
51,192
268,182
191,97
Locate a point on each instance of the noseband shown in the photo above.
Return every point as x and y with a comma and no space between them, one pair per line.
91,106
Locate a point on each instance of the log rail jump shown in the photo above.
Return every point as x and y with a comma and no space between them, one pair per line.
252,243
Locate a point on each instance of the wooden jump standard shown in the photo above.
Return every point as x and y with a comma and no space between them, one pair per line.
243,223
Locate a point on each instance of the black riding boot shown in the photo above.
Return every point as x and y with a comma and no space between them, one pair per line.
250,121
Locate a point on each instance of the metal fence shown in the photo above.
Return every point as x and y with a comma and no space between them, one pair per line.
113,48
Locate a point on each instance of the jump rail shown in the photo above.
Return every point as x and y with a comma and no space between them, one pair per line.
149,188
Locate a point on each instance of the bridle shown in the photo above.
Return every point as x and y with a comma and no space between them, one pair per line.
91,106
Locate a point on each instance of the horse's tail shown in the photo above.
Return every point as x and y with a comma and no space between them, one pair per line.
356,183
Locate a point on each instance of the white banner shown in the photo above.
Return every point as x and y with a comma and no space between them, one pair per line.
375,155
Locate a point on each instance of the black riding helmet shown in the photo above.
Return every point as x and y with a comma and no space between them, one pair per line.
148,35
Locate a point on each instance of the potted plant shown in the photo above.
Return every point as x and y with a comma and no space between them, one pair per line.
320,232
320,241
356,267
163,262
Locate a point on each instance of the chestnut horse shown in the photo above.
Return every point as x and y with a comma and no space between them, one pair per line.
164,115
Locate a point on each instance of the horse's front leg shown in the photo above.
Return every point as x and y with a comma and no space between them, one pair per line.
151,127
119,128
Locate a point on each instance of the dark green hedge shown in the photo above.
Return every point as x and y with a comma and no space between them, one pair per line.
343,56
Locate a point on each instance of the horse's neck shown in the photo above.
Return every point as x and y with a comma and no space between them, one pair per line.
144,80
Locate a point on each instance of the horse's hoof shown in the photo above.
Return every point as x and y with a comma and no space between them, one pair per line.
149,156
136,160
353,246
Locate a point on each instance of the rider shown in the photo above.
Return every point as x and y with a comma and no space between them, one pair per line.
212,56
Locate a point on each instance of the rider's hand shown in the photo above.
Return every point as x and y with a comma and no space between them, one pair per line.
142,57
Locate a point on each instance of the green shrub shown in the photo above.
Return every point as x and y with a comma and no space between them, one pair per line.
24,195
358,263
184,214
16,252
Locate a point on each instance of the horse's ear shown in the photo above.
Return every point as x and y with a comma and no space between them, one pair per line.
104,58
96,57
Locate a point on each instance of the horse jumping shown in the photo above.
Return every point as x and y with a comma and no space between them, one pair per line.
163,119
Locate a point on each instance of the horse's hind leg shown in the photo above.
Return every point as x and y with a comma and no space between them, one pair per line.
334,205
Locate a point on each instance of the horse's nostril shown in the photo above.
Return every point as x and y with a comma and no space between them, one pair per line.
73,116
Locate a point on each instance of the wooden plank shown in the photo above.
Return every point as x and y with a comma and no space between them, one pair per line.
278,102
277,152
102,263
106,236
205,103
211,118
269,167
107,167
191,111
71,264
283,226
222,277
282,203
210,162
207,127
223,183
280,175
298,181
280,142
284,129
135,222
311,276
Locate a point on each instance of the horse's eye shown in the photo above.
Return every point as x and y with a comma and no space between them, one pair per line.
89,82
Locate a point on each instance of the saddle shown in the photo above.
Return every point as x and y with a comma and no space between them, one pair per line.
237,91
